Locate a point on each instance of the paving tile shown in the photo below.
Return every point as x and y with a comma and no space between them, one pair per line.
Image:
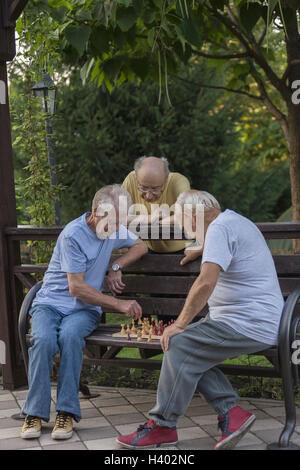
9,412
8,404
249,439
6,397
97,433
268,435
206,443
198,410
103,444
205,419
103,402
145,406
269,423
191,433
185,422
126,418
115,410
211,429
20,394
124,429
6,433
66,446
88,423
84,404
137,399
18,443
253,447
10,423
90,413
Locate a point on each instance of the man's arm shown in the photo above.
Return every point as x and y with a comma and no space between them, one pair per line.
196,300
83,291
135,252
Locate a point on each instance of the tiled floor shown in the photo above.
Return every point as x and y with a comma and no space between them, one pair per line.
119,411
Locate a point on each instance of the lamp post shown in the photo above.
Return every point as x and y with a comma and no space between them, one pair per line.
46,92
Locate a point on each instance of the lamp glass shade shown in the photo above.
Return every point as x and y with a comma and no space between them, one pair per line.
46,92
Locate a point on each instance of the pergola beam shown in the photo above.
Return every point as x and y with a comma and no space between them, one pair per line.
10,297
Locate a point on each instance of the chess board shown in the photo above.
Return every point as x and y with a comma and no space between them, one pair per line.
152,330
134,336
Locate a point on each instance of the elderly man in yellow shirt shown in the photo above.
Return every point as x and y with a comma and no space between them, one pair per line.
151,183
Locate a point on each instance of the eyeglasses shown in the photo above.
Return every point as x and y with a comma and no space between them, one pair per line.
155,191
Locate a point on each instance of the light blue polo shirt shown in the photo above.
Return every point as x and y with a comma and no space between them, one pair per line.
78,249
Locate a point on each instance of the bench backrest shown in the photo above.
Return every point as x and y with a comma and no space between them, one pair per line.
160,284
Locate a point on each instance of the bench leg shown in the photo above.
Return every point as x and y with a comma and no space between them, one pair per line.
84,389
289,403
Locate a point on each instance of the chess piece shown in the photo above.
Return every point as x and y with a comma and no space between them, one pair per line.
149,338
128,337
139,336
122,332
133,328
140,322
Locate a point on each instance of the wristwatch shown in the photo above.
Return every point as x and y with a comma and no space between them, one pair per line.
115,267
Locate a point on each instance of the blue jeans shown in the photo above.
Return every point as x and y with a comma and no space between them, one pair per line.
53,332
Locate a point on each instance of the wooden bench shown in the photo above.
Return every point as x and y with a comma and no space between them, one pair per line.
160,285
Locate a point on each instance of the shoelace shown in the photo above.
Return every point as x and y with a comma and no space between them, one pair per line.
61,420
142,427
31,421
222,423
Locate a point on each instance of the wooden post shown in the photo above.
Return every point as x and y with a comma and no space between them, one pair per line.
10,293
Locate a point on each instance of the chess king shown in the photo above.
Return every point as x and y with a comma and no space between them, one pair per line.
68,308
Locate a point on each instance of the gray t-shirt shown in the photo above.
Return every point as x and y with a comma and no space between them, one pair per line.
247,295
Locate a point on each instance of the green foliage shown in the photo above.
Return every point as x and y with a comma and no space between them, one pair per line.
99,136
34,192
111,33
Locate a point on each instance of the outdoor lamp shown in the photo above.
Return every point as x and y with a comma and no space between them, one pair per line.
46,92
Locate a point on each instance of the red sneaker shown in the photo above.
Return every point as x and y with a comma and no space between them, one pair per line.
149,435
233,424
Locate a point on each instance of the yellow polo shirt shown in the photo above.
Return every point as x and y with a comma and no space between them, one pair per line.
175,185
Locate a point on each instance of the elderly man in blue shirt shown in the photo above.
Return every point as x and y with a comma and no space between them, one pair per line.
68,306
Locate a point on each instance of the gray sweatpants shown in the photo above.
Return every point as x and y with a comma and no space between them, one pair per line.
189,364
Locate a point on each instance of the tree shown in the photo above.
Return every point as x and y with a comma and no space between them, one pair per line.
118,40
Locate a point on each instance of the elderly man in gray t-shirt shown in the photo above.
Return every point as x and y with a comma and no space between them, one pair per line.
238,280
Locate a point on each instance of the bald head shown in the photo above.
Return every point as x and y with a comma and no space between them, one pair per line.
151,172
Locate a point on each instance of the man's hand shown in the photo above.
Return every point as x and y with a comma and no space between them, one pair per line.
190,254
114,281
170,331
131,308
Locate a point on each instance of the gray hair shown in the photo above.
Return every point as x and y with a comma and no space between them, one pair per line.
195,198
139,161
111,195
